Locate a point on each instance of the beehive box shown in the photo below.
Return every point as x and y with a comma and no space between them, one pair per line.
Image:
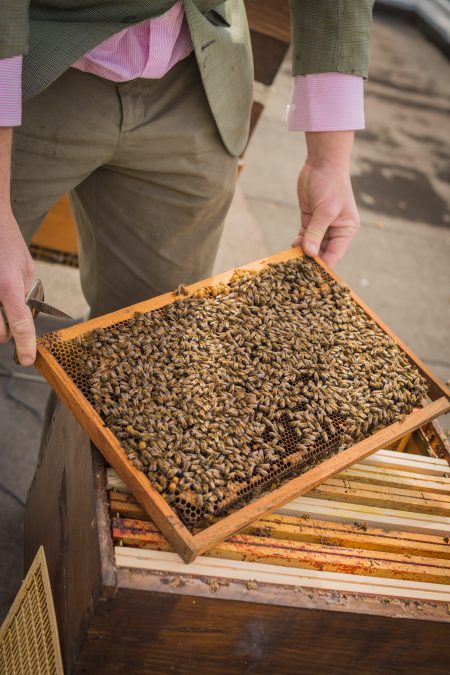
353,568
295,429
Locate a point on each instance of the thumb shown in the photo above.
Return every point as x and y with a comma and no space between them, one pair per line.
315,232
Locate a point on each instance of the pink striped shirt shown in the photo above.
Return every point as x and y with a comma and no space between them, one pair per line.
326,102
11,91
148,49
322,102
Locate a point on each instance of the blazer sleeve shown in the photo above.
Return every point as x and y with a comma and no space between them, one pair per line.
331,36
13,28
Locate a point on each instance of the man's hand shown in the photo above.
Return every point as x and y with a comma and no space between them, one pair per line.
16,267
329,218
16,274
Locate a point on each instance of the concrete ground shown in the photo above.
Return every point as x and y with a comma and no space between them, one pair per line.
399,264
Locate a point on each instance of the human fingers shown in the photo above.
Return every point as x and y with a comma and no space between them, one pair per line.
305,218
315,231
20,321
4,328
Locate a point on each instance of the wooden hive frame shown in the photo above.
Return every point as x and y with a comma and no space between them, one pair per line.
185,543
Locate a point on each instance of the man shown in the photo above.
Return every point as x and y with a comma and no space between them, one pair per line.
140,109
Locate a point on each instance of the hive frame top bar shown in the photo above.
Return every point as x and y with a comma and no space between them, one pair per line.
190,545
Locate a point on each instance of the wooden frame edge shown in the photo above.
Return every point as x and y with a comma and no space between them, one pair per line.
162,514
298,486
105,542
187,545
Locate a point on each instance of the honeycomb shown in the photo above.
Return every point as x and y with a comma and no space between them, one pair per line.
85,361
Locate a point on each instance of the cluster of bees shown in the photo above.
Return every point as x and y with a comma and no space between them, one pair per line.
217,389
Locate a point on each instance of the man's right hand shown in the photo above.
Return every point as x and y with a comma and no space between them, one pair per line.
16,265
16,274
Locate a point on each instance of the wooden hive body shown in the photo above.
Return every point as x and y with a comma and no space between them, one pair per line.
365,571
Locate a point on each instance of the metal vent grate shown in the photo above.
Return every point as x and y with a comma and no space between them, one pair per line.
29,643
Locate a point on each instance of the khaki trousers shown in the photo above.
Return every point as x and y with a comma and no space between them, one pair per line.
149,178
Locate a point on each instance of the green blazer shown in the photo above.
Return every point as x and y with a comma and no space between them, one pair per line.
328,35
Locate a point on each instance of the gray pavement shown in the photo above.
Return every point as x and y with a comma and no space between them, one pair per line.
399,264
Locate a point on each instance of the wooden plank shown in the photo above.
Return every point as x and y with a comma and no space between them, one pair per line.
370,515
128,510
392,477
278,526
102,504
188,545
305,507
302,527
378,495
413,459
278,529
163,561
174,633
402,443
397,488
123,498
402,462
334,559
114,481
307,555
268,55
61,516
270,18
336,512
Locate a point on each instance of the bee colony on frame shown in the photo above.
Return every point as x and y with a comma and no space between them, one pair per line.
227,392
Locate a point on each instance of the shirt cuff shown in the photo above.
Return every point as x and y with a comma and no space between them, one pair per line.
11,91
326,102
